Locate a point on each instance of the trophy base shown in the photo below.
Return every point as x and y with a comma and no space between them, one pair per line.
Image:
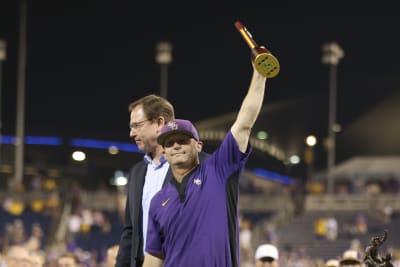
267,65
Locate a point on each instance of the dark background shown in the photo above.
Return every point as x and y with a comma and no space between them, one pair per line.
87,60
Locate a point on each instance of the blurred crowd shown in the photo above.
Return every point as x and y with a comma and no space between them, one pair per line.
39,232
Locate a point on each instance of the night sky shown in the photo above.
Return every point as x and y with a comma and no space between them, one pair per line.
87,60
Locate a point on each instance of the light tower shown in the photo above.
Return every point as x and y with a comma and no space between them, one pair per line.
164,58
332,53
3,56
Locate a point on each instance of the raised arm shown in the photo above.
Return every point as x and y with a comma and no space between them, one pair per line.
249,110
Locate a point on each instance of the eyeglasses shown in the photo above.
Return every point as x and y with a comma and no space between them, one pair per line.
181,141
137,125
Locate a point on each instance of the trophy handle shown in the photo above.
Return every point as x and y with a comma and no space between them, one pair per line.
265,63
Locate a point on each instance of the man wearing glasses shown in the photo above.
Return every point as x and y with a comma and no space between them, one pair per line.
147,117
193,220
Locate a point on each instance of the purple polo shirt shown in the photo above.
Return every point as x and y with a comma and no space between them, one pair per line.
195,223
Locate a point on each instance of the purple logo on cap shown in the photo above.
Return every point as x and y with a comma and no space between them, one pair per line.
173,125
177,126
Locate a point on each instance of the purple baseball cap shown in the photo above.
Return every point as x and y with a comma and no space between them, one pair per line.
177,126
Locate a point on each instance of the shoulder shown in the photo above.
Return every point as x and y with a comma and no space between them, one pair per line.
138,165
137,170
203,155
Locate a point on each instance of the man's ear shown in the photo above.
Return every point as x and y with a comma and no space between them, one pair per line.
199,146
160,122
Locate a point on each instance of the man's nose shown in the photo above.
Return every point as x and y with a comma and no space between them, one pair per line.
176,144
132,133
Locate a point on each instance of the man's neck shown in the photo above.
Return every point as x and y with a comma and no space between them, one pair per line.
180,173
156,155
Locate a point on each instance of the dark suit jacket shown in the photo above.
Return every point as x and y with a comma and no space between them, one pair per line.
130,251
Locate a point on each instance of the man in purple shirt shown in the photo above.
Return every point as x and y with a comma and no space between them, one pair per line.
193,221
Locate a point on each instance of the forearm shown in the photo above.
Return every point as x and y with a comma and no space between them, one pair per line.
152,261
249,110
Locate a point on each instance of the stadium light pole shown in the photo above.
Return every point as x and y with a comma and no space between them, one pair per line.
310,141
164,58
332,53
20,124
3,56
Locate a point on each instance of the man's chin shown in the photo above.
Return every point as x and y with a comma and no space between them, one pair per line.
142,148
178,162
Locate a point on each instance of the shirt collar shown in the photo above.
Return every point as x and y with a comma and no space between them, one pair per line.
149,160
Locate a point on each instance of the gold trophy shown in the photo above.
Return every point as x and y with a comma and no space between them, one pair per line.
265,63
